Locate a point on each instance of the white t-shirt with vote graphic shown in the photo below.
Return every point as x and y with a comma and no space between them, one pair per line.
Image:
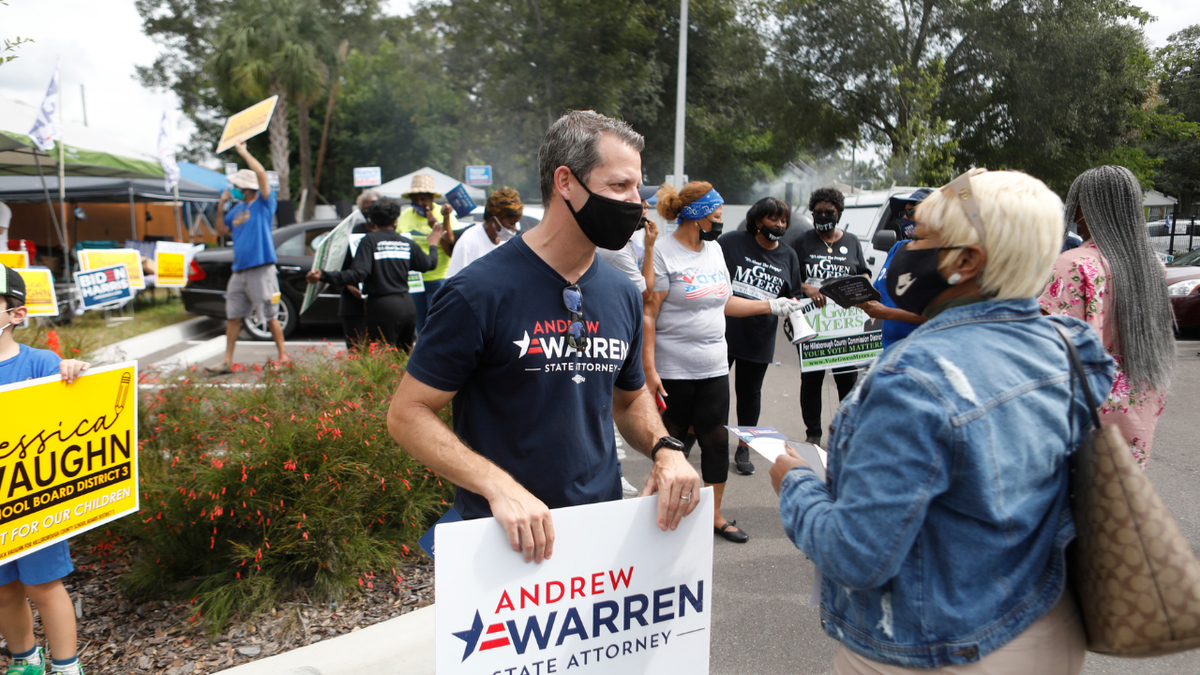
689,334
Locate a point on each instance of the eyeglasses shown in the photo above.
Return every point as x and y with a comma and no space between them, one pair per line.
576,331
829,212
961,188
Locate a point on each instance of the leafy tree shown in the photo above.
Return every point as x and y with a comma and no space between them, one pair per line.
186,31
1048,87
396,110
11,45
1178,148
276,48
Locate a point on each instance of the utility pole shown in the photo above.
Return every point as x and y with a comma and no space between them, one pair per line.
681,92
83,97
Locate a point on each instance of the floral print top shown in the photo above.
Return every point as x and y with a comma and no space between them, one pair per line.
1079,287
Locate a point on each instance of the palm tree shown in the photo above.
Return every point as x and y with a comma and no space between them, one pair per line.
276,47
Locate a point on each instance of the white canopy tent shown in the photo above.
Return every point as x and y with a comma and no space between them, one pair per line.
441,182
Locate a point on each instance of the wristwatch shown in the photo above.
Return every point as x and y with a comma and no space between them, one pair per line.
668,442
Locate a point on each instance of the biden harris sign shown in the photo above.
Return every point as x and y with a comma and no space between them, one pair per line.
618,595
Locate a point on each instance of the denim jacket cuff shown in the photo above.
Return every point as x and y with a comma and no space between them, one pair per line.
795,474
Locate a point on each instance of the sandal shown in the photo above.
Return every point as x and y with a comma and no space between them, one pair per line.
736,536
223,369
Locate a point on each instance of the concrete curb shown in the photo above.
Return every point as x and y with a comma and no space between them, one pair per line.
193,355
403,645
140,346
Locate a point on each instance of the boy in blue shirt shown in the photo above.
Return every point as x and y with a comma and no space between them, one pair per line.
37,576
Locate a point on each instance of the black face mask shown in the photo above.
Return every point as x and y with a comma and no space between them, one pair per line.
824,223
771,233
913,279
711,235
607,223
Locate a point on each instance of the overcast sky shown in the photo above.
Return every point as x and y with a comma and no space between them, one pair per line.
98,43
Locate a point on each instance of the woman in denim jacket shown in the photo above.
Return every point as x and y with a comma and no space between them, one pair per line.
940,530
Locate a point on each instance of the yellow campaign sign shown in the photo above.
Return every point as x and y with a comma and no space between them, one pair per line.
14,259
106,257
171,270
247,124
40,298
68,457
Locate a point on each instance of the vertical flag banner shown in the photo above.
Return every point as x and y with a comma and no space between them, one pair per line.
103,257
14,259
619,596
68,457
40,298
47,128
166,154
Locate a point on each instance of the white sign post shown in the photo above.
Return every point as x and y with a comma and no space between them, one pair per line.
618,596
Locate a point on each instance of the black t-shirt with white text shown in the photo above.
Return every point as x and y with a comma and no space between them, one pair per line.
820,261
382,264
525,399
758,274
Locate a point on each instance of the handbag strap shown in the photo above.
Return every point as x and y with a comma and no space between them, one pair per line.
1077,373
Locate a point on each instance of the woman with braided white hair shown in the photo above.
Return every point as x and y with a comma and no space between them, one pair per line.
1115,282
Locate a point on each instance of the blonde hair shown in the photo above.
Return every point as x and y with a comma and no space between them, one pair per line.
1022,220
671,202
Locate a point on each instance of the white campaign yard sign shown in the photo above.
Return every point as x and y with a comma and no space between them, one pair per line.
618,596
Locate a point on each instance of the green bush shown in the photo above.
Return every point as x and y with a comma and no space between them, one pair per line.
289,483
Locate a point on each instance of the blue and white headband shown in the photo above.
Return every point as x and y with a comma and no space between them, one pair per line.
701,207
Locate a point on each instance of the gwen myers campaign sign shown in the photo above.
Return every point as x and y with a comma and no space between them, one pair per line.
619,596
103,286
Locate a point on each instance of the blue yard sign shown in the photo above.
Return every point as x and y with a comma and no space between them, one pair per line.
104,286
461,201
479,175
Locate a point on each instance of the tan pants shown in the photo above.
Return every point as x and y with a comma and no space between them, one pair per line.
1053,645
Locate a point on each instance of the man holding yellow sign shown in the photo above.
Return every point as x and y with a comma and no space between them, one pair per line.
36,555
254,285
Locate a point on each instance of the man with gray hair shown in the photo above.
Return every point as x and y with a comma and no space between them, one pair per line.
538,344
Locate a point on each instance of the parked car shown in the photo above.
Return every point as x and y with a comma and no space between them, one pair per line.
294,246
1183,287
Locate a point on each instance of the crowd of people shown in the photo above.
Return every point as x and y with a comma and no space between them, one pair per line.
941,527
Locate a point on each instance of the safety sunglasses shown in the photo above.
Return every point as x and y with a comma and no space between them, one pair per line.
576,331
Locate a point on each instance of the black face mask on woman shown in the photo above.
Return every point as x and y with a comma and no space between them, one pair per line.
607,223
772,233
824,222
913,279
711,235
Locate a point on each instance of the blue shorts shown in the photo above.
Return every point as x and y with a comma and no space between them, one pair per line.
40,567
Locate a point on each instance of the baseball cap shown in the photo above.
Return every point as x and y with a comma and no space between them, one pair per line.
11,284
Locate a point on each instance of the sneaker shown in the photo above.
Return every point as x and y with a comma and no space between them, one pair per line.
628,489
24,667
741,459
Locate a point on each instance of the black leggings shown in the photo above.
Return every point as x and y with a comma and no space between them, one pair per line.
810,395
703,405
354,330
747,384
392,319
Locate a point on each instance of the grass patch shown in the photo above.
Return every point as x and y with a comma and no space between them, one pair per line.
85,334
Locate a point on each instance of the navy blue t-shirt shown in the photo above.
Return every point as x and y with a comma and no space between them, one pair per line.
28,364
525,399
893,331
